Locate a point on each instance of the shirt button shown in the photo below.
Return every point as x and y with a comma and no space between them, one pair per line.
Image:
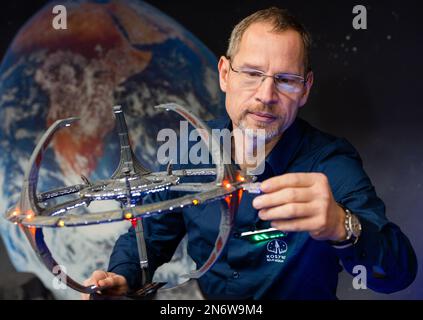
235,275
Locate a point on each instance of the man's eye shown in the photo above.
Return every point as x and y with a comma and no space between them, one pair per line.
284,80
253,74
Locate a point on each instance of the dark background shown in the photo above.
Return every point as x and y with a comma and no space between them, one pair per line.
367,88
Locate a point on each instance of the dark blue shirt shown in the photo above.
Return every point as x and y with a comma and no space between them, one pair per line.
293,267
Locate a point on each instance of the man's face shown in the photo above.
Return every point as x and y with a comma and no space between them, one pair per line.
264,107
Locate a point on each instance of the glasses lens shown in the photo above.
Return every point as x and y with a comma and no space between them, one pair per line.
250,78
289,83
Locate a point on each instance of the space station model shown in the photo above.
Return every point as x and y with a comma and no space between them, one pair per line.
128,185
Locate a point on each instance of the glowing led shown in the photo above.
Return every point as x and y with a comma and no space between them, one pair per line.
257,237
128,215
263,235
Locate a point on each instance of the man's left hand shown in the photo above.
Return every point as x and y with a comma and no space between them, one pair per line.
302,202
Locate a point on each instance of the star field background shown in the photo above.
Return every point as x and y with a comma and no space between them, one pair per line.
368,86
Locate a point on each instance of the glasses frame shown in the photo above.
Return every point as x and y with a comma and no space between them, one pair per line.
274,77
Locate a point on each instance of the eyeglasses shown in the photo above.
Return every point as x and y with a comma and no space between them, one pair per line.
284,82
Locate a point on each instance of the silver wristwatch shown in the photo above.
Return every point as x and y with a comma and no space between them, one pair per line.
353,229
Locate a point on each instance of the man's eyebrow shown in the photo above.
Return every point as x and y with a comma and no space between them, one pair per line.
251,66
258,68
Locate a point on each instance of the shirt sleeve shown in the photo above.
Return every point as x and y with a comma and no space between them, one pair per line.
383,249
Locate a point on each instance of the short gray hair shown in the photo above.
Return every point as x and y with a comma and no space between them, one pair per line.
281,19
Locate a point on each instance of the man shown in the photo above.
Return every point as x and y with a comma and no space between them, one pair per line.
314,188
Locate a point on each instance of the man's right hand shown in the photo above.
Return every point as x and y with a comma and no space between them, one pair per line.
115,283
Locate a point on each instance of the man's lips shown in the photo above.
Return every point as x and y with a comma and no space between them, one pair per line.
262,116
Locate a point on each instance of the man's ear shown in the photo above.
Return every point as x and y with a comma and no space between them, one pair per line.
307,88
223,67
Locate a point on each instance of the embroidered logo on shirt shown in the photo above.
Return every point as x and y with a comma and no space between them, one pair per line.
276,250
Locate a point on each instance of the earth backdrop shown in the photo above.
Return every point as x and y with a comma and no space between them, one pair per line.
112,52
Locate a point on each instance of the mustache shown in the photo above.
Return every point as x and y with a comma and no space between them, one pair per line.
260,108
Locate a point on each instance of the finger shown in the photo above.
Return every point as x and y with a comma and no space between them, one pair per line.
107,282
286,212
99,275
283,196
119,286
89,282
294,225
119,280
286,181
113,280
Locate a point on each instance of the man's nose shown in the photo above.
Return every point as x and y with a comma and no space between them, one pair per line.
266,92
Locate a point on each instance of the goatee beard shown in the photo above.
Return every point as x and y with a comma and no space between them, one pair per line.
270,132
